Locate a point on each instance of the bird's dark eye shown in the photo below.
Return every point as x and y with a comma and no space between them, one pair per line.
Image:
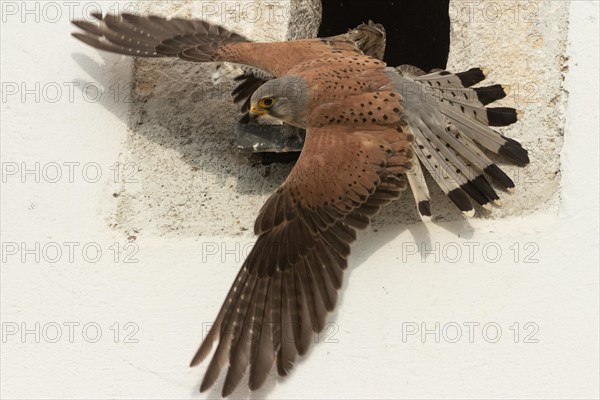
266,102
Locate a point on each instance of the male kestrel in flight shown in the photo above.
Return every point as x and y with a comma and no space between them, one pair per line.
365,123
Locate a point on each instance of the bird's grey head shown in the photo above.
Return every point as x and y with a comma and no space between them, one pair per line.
283,98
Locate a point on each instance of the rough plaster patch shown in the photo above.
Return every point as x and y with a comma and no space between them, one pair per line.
192,182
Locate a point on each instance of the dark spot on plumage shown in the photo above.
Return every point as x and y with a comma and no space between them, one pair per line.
489,94
425,208
501,116
428,156
499,176
475,193
471,77
385,116
396,110
460,199
484,187
513,150
462,108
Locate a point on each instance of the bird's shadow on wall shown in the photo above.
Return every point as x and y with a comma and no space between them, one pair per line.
176,105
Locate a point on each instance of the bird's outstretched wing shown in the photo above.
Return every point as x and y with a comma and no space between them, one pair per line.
199,41
290,279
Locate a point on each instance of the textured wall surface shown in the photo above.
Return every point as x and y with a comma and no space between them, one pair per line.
181,135
191,175
124,221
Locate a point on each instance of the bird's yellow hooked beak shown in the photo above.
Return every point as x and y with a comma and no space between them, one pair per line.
256,111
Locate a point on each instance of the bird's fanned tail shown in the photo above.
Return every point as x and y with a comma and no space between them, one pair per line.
451,124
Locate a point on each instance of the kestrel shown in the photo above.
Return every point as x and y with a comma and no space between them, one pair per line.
370,129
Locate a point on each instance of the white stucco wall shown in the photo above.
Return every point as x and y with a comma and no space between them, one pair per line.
161,291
